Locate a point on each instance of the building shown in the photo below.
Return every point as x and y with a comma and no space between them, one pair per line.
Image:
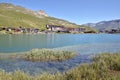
55,28
77,30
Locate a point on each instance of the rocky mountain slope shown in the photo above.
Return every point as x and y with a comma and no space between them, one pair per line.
105,25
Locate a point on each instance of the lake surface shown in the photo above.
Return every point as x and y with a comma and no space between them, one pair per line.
26,42
85,44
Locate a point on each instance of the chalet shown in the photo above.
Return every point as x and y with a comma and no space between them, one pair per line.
78,30
33,30
18,29
113,31
9,29
36,30
55,28
70,29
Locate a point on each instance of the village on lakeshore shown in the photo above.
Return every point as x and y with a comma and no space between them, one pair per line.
49,29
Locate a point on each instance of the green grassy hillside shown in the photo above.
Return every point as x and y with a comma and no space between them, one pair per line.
15,16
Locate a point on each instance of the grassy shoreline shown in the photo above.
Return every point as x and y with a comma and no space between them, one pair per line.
105,66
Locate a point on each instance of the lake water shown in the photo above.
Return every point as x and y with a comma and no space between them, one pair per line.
19,43
85,44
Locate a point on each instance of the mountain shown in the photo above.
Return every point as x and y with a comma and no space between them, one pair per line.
15,16
90,24
105,25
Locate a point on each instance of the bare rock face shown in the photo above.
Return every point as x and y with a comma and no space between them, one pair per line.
41,13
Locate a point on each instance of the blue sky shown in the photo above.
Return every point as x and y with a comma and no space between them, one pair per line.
77,11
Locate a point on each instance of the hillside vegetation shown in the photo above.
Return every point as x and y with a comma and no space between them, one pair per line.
15,16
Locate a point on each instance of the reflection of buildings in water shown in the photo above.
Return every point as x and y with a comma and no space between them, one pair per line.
51,40
9,40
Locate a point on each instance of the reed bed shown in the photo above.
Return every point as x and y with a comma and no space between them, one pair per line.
104,67
48,55
41,55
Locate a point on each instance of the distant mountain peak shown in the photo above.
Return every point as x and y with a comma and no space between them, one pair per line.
17,8
6,4
41,12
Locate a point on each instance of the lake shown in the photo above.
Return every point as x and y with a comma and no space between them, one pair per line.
25,42
86,45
